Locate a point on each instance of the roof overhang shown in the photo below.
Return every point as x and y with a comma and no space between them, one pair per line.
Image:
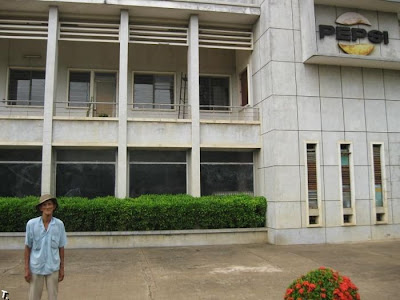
208,11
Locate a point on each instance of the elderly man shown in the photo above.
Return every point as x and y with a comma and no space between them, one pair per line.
44,250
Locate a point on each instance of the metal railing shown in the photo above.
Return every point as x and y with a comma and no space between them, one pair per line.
21,108
229,113
75,109
159,111
86,109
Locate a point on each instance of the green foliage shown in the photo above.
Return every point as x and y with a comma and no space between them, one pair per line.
147,212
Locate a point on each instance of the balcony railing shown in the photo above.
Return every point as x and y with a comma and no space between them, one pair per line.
158,110
18,108
86,109
229,113
21,108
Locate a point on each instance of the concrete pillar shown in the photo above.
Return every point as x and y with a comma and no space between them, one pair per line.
122,169
193,95
48,172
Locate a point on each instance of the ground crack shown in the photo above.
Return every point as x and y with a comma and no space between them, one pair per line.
147,275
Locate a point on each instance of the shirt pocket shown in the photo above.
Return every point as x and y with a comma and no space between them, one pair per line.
37,243
54,242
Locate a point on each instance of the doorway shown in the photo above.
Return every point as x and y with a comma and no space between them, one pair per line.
104,95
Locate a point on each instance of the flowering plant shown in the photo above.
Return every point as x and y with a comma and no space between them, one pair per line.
322,283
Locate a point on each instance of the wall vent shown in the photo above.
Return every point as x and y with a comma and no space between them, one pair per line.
237,39
89,32
23,29
158,34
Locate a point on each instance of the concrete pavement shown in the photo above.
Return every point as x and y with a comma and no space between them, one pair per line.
259,271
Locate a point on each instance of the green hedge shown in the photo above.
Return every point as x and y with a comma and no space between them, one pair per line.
147,212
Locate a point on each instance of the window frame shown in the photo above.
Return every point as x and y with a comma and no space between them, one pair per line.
352,210
230,90
174,100
318,211
375,209
8,101
91,85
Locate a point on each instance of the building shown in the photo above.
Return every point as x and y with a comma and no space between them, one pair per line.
127,97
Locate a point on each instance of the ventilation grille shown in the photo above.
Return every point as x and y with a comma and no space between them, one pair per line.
89,32
23,29
225,38
156,34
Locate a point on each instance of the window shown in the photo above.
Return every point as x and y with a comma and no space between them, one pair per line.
346,184
157,172
312,184
94,91
380,202
312,170
79,89
214,93
20,172
85,173
244,89
26,87
225,173
153,91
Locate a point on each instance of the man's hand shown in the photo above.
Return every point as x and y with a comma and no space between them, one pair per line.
61,274
27,276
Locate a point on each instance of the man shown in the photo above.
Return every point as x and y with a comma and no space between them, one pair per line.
44,250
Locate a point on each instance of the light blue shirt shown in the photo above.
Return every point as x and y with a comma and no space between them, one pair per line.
45,244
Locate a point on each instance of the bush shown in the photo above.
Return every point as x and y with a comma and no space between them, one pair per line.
323,283
147,212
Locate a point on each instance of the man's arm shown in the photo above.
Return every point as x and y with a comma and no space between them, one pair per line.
61,272
27,256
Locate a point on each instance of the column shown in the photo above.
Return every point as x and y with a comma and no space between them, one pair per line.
193,94
122,164
48,172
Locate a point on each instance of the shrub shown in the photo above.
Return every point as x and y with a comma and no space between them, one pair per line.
147,212
322,283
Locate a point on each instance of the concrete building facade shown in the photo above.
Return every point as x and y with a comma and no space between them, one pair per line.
294,100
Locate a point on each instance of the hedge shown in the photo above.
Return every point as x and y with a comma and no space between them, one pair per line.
147,212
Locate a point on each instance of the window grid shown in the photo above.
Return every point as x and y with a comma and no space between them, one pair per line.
26,87
347,193
312,190
380,208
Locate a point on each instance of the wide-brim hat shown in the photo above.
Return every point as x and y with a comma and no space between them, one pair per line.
46,197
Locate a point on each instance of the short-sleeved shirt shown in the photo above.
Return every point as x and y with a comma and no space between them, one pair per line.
45,244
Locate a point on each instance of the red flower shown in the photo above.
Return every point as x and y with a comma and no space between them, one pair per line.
289,291
301,291
323,296
298,285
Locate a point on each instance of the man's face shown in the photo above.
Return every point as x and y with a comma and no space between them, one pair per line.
47,207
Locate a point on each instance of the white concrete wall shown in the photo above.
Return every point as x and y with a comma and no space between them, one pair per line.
324,104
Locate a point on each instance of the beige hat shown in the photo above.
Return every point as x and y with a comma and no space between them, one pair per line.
45,198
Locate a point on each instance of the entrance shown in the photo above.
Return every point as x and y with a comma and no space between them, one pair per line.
105,95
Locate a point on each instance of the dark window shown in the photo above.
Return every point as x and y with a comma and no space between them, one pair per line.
214,93
79,89
26,87
157,172
378,175
312,176
345,168
85,173
226,173
244,89
20,172
153,91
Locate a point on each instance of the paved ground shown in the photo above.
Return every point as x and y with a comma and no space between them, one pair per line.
211,272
